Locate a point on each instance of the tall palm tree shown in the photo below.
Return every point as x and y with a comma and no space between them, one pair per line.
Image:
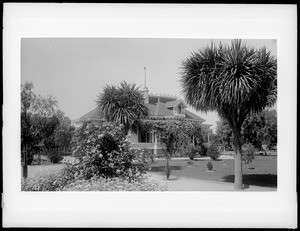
123,104
233,80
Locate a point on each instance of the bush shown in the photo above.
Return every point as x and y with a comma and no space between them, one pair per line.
213,152
191,151
49,181
202,149
143,156
248,153
54,155
209,166
104,151
114,184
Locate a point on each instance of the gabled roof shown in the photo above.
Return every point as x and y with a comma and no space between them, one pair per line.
175,103
161,110
94,114
190,115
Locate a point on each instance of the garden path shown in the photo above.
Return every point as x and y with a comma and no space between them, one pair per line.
188,184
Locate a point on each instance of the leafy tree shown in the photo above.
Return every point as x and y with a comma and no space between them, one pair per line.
42,123
224,133
260,128
27,138
233,80
64,132
123,104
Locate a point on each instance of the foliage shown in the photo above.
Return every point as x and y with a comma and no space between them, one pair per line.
261,128
42,124
123,104
103,151
49,181
55,155
230,77
224,133
233,80
142,156
27,137
174,135
114,184
258,129
248,153
209,166
213,152
192,151
64,132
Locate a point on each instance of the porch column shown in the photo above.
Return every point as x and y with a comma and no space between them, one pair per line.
208,137
155,143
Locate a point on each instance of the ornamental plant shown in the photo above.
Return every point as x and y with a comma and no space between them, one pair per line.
248,153
50,181
213,152
191,151
114,184
103,150
209,166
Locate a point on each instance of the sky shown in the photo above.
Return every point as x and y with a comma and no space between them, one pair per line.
75,70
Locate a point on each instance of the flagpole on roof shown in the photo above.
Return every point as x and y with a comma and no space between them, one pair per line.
145,86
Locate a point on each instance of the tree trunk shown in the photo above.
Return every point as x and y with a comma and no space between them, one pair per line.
25,166
238,174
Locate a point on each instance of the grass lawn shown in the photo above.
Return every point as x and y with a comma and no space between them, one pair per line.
261,172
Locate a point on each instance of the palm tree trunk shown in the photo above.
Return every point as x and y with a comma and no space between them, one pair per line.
238,173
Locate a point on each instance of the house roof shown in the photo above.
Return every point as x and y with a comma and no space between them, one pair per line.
95,114
158,110
175,103
190,115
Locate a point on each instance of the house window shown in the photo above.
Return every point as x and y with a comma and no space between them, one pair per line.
145,137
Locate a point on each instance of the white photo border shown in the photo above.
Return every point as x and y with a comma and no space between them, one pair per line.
151,209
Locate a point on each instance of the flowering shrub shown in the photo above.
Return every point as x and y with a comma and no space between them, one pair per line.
142,156
49,181
213,152
114,184
209,166
103,151
248,153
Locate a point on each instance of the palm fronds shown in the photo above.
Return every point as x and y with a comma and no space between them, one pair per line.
123,104
233,76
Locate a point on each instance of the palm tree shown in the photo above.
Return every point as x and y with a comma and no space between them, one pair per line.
233,80
123,104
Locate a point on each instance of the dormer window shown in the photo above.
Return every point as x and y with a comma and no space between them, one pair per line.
179,109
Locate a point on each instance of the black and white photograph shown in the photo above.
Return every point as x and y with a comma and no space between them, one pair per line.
154,119
118,114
